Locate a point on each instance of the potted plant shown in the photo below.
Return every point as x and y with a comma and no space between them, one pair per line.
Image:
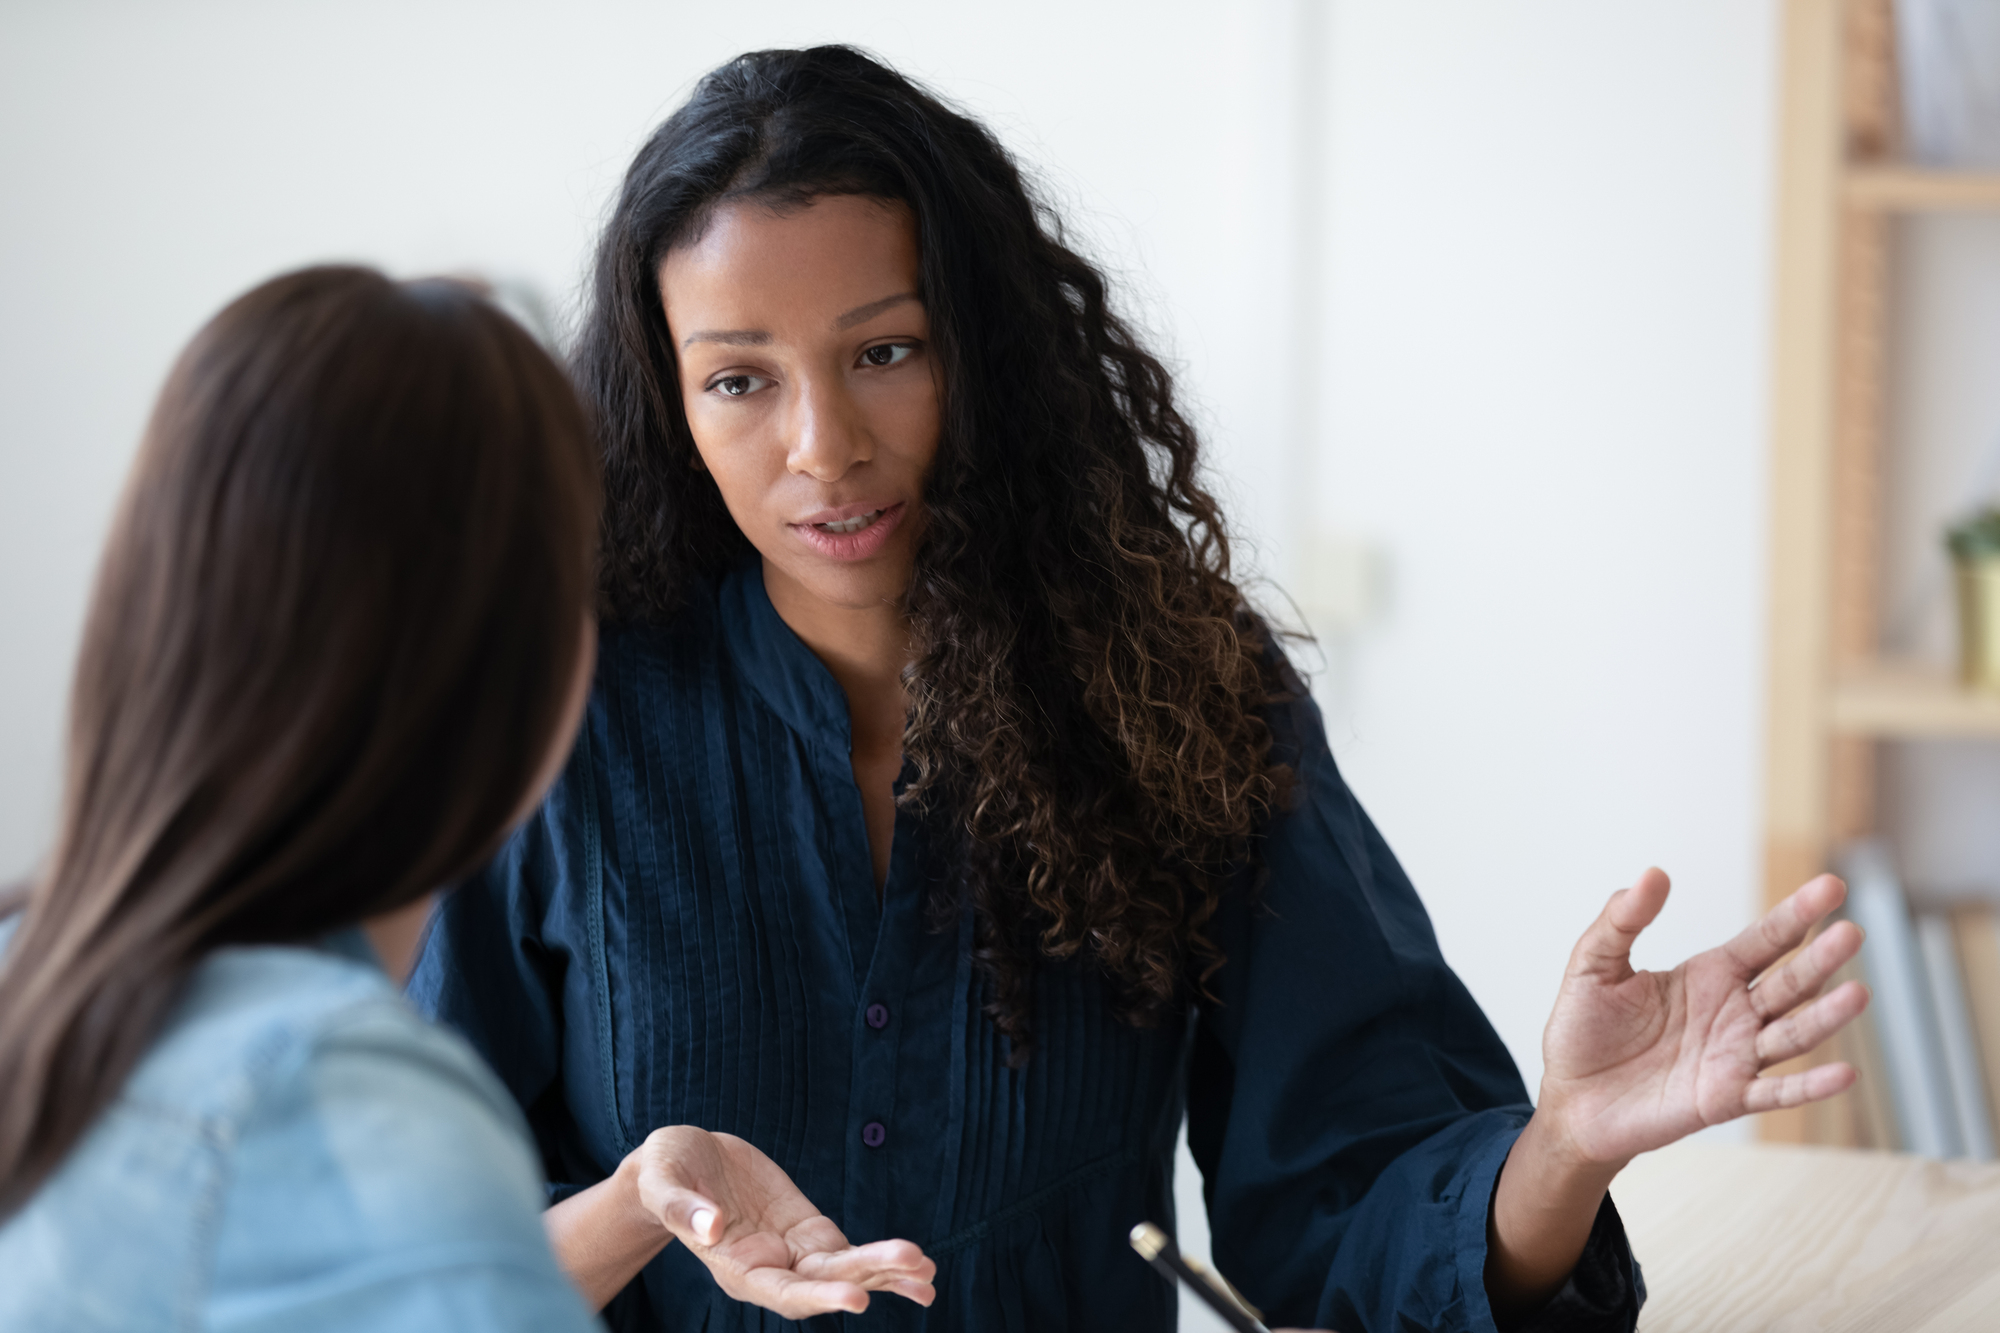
1975,556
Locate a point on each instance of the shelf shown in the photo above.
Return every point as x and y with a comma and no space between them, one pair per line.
1916,190
1892,699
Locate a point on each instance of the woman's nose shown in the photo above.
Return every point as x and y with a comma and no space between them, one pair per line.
828,435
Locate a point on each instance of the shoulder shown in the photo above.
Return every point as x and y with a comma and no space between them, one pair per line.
268,1035
1318,839
660,650
653,679
652,682
115,1237
374,1153
248,1016
396,1118
295,1148
1298,731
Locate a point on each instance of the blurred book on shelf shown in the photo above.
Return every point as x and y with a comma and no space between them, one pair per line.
1964,1078
1874,1115
1893,963
1928,1048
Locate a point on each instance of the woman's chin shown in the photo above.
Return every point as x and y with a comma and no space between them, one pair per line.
813,583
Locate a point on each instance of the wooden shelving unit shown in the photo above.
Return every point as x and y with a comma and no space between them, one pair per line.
1889,700
1913,190
1832,699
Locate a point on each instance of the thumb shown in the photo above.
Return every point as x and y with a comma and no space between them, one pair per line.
692,1218
1605,951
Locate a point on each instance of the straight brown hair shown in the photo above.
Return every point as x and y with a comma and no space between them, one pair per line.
326,655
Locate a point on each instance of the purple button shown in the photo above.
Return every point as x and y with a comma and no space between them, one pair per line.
878,1016
873,1133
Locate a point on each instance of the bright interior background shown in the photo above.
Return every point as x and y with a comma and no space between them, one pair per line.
1472,298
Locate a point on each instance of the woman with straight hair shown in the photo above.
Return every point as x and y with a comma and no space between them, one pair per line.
945,822
337,648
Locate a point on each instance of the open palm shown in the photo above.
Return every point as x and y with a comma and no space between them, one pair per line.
1636,1060
739,1213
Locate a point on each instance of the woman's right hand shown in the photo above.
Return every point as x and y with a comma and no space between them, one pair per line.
740,1214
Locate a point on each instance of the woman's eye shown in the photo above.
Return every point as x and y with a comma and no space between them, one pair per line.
736,386
886,354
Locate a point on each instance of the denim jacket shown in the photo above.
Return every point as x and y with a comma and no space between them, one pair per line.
297,1150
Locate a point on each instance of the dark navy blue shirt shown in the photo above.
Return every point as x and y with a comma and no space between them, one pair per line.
688,932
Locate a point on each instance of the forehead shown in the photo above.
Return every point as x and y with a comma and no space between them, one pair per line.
759,267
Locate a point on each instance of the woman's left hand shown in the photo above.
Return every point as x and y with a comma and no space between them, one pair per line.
763,1241
1635,1060
739,1213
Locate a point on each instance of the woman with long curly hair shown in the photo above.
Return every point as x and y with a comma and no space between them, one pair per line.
946,823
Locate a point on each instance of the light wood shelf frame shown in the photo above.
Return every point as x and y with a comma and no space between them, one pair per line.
1897,189
1888,700
1831,699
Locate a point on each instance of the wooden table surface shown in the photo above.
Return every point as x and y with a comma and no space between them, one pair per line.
1772,1239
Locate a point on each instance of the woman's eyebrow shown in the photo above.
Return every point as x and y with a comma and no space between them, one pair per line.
861,314
727,337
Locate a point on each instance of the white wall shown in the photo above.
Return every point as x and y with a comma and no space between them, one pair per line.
1547,288
159,159
1521,358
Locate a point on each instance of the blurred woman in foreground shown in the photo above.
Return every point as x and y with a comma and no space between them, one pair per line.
337,647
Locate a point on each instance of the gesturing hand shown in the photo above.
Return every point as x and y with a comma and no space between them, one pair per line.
740,1214
1635,1060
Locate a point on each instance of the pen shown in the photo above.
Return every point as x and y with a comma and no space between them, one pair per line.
1157,1248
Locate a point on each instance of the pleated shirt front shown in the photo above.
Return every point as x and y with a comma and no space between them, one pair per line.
688,932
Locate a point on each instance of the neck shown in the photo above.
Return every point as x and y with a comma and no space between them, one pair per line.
396,935
865,649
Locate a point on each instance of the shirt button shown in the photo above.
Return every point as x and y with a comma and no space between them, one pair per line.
878,1016
873,1133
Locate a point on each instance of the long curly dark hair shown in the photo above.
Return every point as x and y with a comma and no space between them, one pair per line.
1086,692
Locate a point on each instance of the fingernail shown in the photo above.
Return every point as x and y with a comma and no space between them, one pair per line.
703,1219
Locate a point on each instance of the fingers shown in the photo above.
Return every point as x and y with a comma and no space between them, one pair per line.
762,1270
923,1293
1606,948
823,1283
1797,1033
1815,1084
879,1265
786,1293
1800,977
895,1266
1779,930
811,1298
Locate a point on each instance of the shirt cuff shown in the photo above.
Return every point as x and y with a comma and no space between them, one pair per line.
1604,1290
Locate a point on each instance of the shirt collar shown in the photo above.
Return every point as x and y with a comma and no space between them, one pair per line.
351,942
785,673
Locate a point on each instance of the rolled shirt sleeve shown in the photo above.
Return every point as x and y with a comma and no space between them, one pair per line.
1349,1105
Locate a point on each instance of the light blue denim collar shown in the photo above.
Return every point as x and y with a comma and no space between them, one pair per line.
351,943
